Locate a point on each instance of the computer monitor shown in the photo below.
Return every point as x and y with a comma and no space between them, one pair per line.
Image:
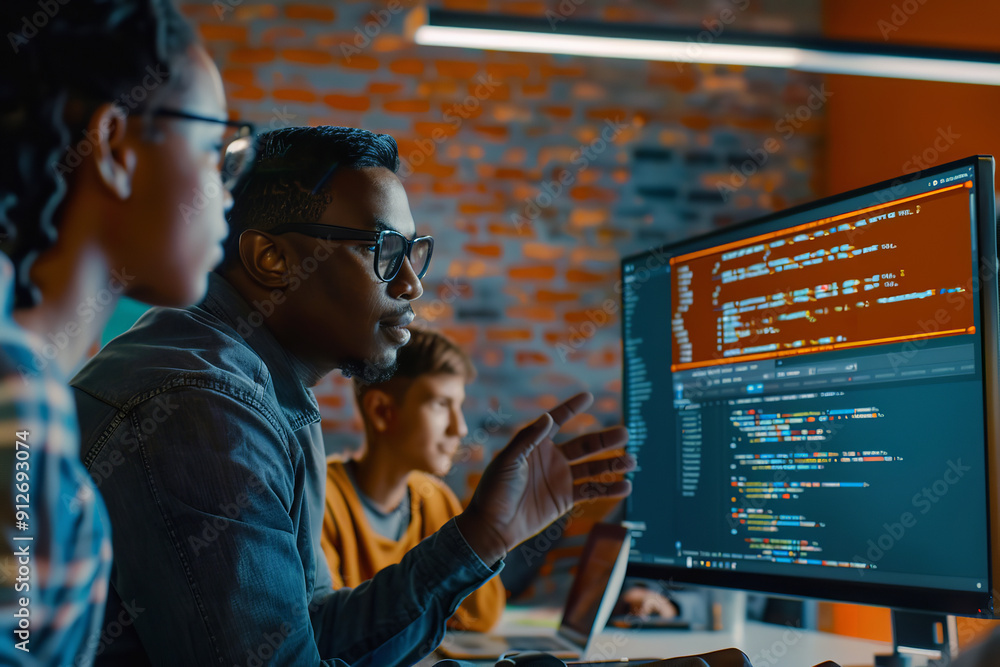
812,398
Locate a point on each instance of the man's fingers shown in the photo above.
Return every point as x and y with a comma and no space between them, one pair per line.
568,409
588,444
528,437
618,465
595,490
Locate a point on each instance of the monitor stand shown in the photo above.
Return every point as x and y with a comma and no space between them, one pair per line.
916,632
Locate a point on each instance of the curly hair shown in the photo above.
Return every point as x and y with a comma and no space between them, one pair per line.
290,171
63,60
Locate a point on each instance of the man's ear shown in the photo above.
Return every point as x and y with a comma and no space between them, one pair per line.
379,408
264,258
114,157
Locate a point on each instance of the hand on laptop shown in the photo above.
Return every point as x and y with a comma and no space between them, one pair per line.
533,481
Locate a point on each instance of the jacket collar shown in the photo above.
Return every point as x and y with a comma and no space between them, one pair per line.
288,373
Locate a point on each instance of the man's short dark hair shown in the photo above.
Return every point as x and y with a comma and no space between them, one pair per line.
291,171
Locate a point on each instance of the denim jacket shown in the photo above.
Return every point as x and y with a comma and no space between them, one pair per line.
206,445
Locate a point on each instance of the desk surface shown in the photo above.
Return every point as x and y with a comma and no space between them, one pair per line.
766,645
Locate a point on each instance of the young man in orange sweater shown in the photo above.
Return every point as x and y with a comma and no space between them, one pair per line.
382,505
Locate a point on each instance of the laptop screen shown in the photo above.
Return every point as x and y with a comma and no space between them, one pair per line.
597,582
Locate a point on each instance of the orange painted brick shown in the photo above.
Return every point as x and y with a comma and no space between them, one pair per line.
615,114
581,276
434,310
549,296
437,131
526,358
510,230
462,336
607,357
570,72
282,33
693,122
406,106
238,75
467,5
407,66
533,313
558,112
249,13
621,14
484,249
248,56
508,70
499,92
444,188
583,217
330,400
347,102
469,208
593,193
223,33
532,272
359,62
493,132
535,89
496,334
577,316
542,251
607,405
252,93
382,88
435,169
389,43
304,12
614,386
456,69
475,268
452,110
554,337
294,95
307,56
509,172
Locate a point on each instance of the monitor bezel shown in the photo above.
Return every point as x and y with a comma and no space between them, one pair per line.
964,603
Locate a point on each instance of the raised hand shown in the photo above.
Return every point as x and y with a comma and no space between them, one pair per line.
533,481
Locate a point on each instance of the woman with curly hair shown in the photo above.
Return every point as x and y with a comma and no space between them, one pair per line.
113,128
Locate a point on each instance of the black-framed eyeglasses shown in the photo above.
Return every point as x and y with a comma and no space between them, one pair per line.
390,246
238,149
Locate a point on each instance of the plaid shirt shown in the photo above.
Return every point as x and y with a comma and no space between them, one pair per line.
56,558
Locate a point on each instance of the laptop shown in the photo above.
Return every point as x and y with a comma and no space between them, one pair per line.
591,600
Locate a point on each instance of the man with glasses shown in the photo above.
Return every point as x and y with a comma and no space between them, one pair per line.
203,433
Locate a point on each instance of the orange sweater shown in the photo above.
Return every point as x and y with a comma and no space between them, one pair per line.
355,552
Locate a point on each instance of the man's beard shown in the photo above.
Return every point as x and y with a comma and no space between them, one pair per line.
368,372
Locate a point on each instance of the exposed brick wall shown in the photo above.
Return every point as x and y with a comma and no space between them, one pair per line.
535,173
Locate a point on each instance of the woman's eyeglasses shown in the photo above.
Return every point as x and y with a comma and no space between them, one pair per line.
239,145
390,246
